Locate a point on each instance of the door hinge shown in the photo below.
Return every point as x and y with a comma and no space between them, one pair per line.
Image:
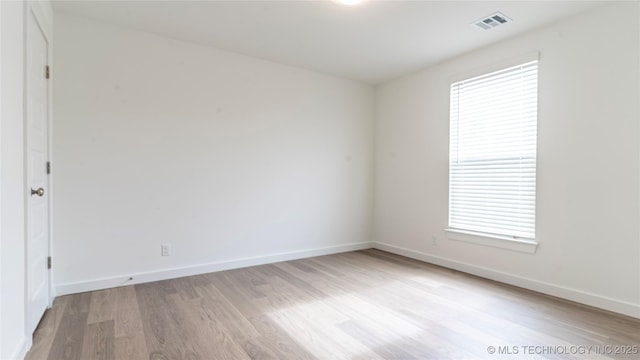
48,167
47,72
49,262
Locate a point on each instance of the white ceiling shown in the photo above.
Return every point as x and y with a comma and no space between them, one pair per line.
371,42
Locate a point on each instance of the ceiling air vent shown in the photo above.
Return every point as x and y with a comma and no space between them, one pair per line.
492,21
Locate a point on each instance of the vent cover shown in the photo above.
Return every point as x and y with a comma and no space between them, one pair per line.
491,21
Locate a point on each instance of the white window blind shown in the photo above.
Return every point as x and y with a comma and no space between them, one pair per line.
492,163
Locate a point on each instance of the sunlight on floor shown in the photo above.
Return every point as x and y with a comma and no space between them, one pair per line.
310,322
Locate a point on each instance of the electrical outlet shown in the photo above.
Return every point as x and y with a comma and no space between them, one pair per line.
434,240
166,249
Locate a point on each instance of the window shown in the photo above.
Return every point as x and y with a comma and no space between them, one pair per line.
492,159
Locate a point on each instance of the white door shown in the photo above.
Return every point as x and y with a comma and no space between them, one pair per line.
37,179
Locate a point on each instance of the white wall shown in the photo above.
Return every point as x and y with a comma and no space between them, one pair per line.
1,172
223,156
13,340
588,163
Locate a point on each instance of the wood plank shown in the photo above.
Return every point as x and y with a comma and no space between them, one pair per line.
386,349
131,347
280,342
160,332
78,303
130,342
102,306
207,335
98,343
67,344
127,317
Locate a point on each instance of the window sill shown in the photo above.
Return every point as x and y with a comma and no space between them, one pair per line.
501,242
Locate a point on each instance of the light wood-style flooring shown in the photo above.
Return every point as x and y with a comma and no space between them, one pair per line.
358,305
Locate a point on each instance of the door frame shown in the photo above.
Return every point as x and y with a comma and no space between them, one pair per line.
42,13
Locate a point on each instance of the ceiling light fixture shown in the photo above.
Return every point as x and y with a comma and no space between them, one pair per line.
349,2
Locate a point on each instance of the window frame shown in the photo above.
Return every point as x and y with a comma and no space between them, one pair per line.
480,238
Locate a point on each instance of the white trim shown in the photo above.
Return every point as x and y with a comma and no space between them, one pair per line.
115,281
43,11
495,66
1,242
22,349
599,301
638,8
497,241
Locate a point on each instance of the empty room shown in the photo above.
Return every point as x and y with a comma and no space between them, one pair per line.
321,179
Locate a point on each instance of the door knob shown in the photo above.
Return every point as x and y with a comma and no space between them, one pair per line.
39,192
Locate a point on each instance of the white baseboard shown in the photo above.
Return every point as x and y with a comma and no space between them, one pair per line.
115,281
22,348
599,301
579,296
